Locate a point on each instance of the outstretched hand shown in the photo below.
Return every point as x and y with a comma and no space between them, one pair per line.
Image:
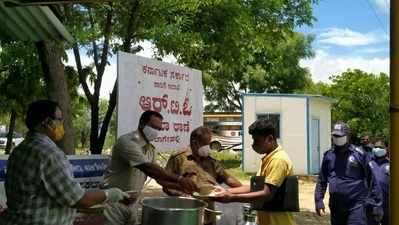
224,196
219,190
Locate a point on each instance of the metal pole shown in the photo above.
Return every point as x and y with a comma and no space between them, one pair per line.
394,111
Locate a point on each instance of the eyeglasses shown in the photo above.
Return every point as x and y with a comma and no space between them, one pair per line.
61,120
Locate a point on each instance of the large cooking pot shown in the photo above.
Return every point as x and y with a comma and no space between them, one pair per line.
172,211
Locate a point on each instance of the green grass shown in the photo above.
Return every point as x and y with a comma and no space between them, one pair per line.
239,174
229,160
232,162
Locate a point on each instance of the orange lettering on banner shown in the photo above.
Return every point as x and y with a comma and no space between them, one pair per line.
165,101
165,126
159,104
174,107
186,107
145,103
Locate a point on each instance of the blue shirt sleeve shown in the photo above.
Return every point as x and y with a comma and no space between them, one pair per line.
321,185
374,198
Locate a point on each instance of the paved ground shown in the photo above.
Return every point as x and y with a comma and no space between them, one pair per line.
306,200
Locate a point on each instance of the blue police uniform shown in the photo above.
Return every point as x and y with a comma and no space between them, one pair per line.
382,176
352,186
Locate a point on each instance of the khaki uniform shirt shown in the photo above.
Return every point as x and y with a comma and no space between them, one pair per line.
130,150
203,172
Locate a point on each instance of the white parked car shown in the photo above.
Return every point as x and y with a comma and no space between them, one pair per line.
16,139
226,135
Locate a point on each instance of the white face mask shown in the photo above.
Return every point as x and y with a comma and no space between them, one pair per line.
150,133
340,141
204,151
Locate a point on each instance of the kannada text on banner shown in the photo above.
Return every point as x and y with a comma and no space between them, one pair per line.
174,91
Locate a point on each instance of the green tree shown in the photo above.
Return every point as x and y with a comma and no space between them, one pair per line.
362,101
20,81
319,88
98,28
241,46
231,41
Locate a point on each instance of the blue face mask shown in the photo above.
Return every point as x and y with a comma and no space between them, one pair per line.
379,152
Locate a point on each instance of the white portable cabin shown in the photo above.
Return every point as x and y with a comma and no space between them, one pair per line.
303,124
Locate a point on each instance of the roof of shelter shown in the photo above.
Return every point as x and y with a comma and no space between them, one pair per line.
31,23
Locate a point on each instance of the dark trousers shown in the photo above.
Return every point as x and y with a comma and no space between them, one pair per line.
340,216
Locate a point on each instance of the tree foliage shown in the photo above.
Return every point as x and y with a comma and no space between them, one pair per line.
362,101
20,82
235,43
21,77
241,46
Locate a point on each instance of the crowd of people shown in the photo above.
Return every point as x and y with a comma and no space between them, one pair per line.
41,190
358,181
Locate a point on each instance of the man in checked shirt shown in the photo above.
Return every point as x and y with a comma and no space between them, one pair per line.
39,184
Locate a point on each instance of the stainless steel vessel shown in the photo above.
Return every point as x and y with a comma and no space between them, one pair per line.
172,211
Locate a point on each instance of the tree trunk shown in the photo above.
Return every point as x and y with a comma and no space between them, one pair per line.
11,128
94,148
126,46
97,133
57,88
108,116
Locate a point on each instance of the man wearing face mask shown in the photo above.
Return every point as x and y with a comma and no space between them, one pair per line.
380,168
195,163
39,184
366,145
276,166
133,159
353,190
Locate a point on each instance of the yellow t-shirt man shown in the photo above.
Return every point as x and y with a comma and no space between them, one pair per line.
276,166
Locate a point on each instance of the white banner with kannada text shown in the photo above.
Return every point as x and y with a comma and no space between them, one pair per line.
174,91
